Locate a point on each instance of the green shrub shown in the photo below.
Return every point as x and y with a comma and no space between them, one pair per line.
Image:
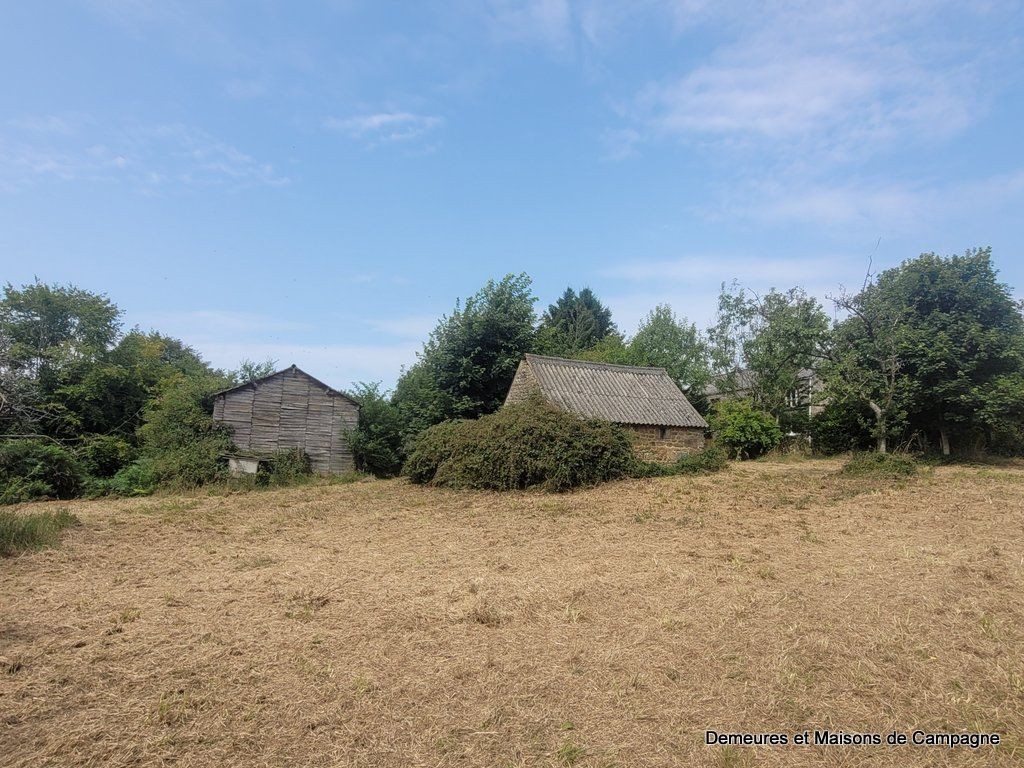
743,430
880,465
104,455
528,445
434,446
22,531
377,442
286,467
711,459
705,462
841,427
136,479
1006,440
182,446
37,469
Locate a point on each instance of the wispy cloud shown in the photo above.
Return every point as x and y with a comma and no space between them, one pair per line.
834,82
150,158
384,127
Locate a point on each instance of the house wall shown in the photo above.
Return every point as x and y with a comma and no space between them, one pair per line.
649,444
522,385
291,410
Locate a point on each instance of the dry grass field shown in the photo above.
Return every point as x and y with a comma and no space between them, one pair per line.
381,624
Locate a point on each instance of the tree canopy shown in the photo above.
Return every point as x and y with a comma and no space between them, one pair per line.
574,324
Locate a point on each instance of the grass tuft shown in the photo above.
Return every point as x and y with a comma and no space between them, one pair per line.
33,530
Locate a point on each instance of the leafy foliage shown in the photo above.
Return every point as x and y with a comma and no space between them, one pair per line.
469,361
711,459
843,425
670,342
528,445
249,370
32,530
182,445
880,465
573,324
745,431
774,338
377,442
935,346
37,469
286,467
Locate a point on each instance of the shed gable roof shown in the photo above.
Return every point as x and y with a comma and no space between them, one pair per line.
290,369
625,394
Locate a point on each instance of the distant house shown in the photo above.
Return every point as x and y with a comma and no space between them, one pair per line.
645,400
806,396
288,409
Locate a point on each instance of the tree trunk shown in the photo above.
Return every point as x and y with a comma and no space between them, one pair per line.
944,440
879,426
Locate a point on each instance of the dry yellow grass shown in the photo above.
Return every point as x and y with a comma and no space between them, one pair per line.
380,624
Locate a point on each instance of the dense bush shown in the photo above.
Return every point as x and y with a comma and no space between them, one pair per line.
103,456
711,459
285,468
880,465
744,431
1006,440
377,442
19,532
37,469
182,446
532,444
136,479
842,426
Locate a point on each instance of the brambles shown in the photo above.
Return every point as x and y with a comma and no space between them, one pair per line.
527,445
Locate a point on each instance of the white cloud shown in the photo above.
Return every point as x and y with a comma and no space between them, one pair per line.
813,84
382,127
879,203
149,157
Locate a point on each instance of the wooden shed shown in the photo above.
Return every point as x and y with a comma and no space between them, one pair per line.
644,400
290,409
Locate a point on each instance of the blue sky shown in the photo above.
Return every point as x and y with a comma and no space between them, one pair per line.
317,182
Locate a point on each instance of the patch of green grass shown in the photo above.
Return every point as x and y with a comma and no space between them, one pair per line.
20,532
569,753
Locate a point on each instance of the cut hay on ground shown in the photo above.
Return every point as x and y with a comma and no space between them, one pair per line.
382,624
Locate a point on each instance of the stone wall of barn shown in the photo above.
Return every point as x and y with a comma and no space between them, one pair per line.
290,410
522,385
652,446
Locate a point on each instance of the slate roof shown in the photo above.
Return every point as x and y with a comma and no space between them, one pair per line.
625,394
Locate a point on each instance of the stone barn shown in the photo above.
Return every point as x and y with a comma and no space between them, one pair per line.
289,409
644,400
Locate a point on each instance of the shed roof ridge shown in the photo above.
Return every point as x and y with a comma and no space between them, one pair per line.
292,367
569,362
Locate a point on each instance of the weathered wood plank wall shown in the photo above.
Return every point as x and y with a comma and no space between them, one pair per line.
291,409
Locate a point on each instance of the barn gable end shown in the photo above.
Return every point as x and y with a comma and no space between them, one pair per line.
290,409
